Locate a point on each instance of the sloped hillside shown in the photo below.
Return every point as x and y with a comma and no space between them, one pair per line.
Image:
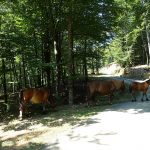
138,72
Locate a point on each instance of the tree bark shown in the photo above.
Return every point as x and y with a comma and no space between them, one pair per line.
24,71
16,75
85,73
70,59
4,81
58,59
144,3
145,47
148,42
38,76
47,54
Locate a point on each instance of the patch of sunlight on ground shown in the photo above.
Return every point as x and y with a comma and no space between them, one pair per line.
109,130
19,133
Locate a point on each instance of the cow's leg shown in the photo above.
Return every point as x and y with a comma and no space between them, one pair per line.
142,97
21,109
90,98
146,97
111,98
44,109
133,96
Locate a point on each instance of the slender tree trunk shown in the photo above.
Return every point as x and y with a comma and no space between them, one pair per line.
148,42
58,59
42,72
15,74
47,54
20,77
70,60
4,81
10,86
93,67
145,48
144,3
38,79
24,71
85,61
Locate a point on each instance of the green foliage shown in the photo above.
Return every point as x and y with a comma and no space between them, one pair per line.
128,33
115,53
112,30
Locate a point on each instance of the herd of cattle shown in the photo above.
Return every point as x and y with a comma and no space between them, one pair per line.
84,92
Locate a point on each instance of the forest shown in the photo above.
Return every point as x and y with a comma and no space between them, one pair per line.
58,43
50,50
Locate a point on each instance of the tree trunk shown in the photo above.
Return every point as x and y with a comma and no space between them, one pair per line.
144,3
145,47
4,81
58,59
47,54
85,73
16,78
70,60
42,72
24,71
38,76
20,77
148,42
93,67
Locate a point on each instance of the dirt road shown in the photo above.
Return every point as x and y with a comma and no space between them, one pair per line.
124,126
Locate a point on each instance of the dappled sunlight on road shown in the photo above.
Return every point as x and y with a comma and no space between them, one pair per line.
37,131
26,133
123,126
120,126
